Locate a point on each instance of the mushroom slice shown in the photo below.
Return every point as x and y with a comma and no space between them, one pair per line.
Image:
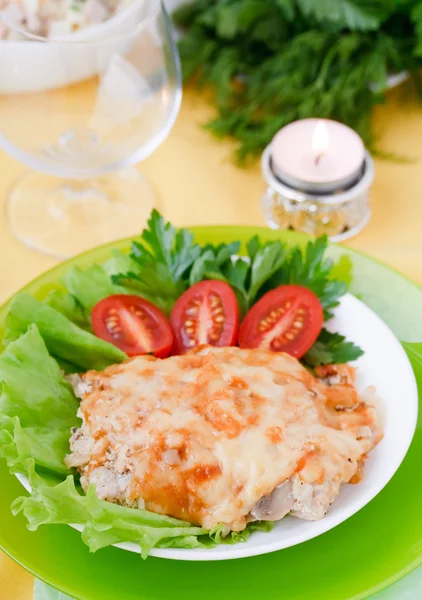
276,505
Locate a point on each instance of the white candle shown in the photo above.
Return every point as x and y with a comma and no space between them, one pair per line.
317,155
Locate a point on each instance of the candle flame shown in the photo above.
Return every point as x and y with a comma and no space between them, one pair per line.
320,141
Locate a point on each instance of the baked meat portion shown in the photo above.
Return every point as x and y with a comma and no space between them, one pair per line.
222,435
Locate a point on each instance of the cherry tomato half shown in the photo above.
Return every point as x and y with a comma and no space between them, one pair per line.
133,325
207,313
287,319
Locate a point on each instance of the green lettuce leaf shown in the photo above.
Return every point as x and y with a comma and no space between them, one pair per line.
342,270
90,286
69,307
37,406
218,534
86,287
105,523
119,263
64,339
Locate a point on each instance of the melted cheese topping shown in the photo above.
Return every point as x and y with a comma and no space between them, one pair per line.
204,436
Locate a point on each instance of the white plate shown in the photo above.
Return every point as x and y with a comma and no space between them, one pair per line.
384,365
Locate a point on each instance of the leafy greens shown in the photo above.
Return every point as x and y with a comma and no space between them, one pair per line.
273,62
64,340
331,348
37,407
161,260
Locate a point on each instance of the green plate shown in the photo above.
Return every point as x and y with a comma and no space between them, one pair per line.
366,553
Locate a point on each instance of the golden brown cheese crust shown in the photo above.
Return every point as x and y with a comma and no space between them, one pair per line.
204,436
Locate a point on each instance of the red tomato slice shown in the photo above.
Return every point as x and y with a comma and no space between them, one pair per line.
133,325
287,319
207,313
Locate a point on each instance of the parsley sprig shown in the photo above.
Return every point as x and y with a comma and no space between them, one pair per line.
331,348
166,261
163,258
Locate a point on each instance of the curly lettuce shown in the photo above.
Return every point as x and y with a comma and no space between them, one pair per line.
37,406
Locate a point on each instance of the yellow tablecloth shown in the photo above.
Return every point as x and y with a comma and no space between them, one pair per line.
197,184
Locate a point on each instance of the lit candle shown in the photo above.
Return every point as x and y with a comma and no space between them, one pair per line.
317,156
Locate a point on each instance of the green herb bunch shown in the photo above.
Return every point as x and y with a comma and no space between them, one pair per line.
271,62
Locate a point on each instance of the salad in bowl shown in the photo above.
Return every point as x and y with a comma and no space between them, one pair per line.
51,18
49,44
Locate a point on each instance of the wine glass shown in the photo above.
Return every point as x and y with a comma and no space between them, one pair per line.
81,110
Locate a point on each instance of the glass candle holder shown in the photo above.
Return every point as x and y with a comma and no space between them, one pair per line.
340,214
